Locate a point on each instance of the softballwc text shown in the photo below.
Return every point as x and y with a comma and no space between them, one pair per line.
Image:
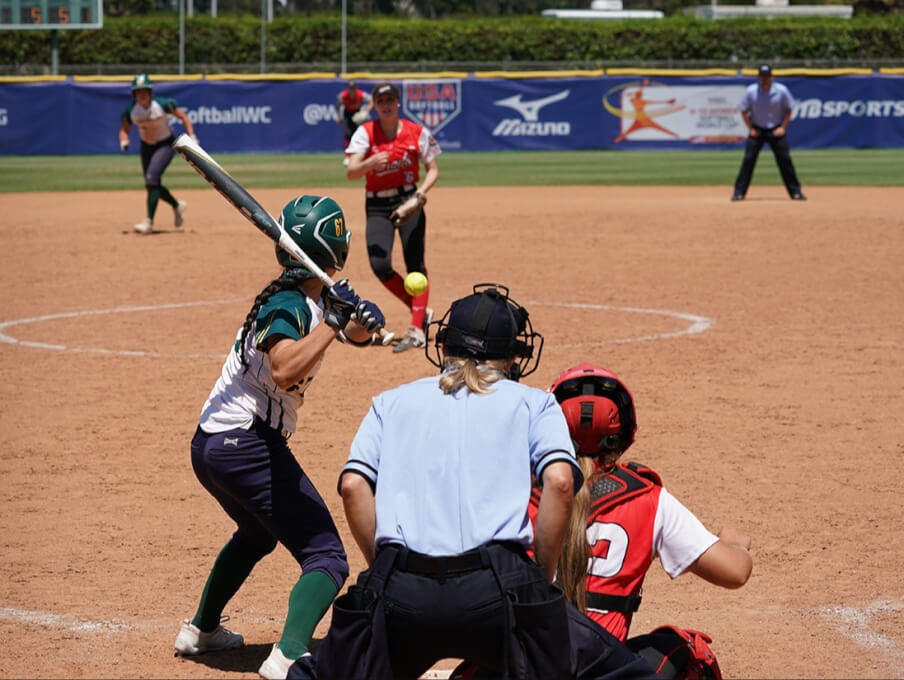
211,115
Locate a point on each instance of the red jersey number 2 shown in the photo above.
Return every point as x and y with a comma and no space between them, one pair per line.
608,548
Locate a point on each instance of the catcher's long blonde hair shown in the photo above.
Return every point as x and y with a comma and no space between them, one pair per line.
571,570
477,376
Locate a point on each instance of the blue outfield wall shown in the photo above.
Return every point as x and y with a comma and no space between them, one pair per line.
472,112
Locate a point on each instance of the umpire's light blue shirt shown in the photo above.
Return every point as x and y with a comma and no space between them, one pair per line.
766,108
453,472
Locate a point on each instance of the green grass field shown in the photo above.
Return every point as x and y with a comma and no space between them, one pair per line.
823,167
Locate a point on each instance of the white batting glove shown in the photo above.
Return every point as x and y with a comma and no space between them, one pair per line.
123,144
194,138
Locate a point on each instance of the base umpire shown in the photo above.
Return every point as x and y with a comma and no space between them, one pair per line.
766,107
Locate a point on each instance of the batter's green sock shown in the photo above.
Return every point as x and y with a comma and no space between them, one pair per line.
153,198
229,572
310,598
167,196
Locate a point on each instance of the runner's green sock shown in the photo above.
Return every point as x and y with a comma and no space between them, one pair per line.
167,196
229,572
310,598
153,198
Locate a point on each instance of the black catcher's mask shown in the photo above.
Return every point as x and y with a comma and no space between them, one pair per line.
487,325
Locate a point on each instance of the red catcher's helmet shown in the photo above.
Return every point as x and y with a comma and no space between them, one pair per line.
598,407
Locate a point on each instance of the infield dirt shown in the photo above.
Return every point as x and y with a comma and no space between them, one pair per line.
762,341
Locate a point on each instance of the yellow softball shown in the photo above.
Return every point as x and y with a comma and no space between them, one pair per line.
415,283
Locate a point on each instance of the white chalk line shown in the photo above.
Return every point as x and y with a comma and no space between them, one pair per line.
116,310
83,625
79,623
854,624
74,623
698,324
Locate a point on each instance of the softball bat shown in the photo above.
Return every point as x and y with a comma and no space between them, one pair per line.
217,176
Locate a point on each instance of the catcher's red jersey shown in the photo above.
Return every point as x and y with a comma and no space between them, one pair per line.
620,529
404,154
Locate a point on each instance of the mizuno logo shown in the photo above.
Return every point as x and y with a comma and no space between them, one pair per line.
233,441
530,111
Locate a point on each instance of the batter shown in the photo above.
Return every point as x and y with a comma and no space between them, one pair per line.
240,450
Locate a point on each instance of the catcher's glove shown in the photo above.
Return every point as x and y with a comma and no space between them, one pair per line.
361,117
408,208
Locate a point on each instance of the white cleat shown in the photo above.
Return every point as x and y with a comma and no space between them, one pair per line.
145,226
179,213
192,640
276,666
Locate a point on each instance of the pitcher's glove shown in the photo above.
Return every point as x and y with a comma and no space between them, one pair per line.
341,302
408,208
369,316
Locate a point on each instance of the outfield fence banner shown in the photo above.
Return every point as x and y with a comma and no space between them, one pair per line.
471,113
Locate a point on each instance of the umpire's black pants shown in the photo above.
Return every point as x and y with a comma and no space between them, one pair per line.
495,611
780,150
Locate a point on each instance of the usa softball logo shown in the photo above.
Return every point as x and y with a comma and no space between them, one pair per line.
432,103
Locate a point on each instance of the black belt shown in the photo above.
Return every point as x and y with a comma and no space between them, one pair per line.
418,563
626,604
392,193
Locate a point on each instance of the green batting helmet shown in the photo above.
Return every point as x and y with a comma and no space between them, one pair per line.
315,223
141,82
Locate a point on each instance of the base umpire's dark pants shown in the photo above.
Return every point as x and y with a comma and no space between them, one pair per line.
780,150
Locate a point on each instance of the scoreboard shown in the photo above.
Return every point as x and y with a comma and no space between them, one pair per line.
51,14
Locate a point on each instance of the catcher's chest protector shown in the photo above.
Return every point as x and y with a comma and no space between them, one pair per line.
622,484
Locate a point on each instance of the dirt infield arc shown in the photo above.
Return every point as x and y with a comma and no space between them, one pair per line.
762,341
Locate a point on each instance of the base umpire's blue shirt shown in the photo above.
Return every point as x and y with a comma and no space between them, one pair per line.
766,108
453,472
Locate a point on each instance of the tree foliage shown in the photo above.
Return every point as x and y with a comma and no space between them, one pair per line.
300,38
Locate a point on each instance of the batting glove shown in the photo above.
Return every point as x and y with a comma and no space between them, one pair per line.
123,144
341,301
369,316
194,138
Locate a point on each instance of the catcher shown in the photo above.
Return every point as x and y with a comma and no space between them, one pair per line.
388,152
623,519
354,110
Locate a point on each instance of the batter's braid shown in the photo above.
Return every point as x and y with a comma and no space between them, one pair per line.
291,278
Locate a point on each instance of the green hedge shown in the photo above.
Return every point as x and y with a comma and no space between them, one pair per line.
315,39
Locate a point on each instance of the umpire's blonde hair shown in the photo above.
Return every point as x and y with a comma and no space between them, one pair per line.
477,376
